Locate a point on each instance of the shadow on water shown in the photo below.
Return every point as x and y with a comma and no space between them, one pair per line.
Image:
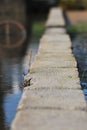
11,87
11,70
79,48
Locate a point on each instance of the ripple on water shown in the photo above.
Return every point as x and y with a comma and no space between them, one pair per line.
10,91
79,46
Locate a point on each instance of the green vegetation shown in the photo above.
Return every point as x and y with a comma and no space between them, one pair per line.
77,28
37,30
73,4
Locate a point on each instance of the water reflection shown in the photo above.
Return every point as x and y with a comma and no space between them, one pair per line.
80,50
11,86
10,103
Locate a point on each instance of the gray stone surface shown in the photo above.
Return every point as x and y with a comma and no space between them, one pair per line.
55,47
55,18
55,22
67,72
58,49
53,31
55,38
43,55
53,99
55,12
55,62
54,78
56,44
29,119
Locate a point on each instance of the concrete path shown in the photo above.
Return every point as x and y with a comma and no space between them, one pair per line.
54,101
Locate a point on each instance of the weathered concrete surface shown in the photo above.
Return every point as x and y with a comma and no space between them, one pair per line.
54,78
53,31
55,62
57,46
54,100
45,119
58,49
55,38
55,18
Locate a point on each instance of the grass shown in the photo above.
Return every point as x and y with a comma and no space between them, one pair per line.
77,28
37,30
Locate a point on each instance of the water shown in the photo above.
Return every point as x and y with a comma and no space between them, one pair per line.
79,46
12,74
11,87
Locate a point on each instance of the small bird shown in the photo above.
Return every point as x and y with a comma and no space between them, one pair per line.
27,82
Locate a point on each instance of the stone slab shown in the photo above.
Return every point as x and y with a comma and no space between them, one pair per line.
59,49
56,43
50,119
55,18
53,31
55,62
56,11
55,38
55,23
56,47
54,78
53,99
54,55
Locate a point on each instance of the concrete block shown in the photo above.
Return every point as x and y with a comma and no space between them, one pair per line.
54,31
55,38
55,23
55,61
54,55
54,78
64,99
55,18
55,47
50,119
56,11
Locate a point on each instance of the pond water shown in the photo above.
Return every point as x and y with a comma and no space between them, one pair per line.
11,86
12,72
79,47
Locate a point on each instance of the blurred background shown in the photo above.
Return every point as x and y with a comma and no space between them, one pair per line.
22,23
